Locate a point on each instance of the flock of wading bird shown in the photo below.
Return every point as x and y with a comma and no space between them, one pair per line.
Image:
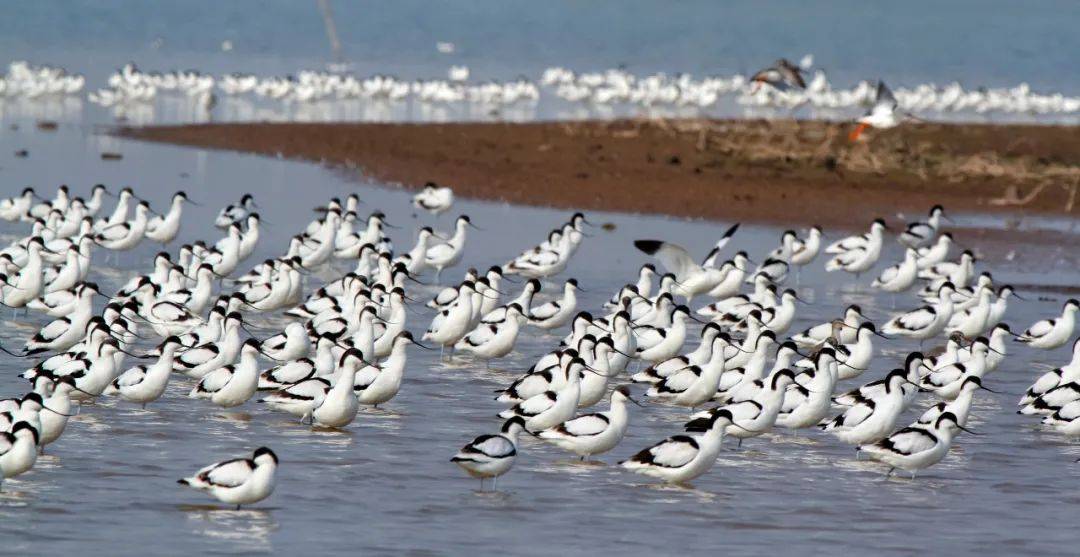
345,344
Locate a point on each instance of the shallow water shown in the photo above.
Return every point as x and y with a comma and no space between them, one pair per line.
385,486
925,42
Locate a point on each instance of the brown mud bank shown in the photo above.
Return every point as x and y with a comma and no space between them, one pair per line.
793,172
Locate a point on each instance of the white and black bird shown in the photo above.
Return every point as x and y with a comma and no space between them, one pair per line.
782,75
681,458
434,198
691,279
236,212
1052,333
491,456
870,420
596,433
884,114
240,481
921,233
925,322
18,450
1068,373
916,447
556,313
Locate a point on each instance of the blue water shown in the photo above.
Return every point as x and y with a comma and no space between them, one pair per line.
991,43
385,486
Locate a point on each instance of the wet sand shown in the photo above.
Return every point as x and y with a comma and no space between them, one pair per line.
796,172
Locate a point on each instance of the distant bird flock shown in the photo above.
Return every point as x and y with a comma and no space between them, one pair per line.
187,319
787,89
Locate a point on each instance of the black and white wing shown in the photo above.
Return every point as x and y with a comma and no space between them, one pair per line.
1040,329
584,426
230,473
214,381
486,448
673,257
908,441
914,320
546,311
131,377
673,452
534,405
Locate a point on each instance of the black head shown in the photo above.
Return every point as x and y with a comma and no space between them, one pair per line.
264,451
20,426
946,417
350,353
780,374
706,423
895,376
508,425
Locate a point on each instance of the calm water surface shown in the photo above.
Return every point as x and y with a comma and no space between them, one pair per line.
991,43
385,486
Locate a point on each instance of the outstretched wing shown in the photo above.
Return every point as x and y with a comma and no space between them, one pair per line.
673,257
884,96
